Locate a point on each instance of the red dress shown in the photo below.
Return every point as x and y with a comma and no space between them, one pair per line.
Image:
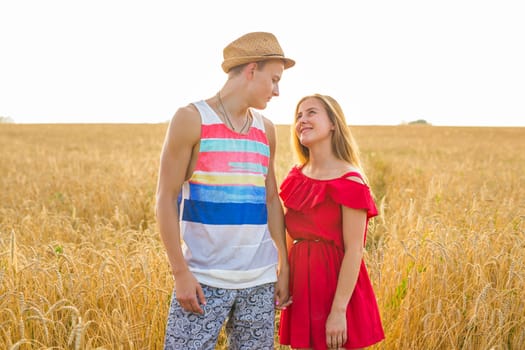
313,219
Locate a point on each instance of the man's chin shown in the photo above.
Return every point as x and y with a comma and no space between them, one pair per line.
262,106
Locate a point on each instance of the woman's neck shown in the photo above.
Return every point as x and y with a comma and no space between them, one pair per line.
323,165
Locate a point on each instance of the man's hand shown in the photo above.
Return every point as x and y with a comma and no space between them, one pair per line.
282,296
189,292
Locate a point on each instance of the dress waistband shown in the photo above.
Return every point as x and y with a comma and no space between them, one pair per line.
299,240
316,240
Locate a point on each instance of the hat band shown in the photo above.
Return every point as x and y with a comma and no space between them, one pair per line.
273,54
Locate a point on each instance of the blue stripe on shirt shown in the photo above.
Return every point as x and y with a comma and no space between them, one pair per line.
225,213
250,194
230,145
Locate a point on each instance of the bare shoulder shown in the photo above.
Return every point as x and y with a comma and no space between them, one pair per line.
269,127
186,123
187,115
267,122
358,179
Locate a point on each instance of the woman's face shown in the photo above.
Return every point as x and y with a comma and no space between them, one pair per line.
312,124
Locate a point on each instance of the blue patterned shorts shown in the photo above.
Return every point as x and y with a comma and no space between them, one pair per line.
249,315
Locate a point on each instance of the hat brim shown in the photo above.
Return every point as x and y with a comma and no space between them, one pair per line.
237,61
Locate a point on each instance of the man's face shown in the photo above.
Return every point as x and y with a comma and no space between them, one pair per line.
265,82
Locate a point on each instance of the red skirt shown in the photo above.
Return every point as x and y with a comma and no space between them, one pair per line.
315,267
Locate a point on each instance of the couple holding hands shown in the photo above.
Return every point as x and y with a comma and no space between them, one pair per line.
235,253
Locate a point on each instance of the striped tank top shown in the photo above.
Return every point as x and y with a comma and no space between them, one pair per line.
223,214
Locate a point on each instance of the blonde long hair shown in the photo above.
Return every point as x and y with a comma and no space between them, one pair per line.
343,143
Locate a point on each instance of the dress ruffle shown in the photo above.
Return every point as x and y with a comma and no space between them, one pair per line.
300,192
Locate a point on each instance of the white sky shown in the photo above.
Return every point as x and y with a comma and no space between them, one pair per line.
450,62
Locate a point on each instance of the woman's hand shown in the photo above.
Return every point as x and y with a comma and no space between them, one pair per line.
336,329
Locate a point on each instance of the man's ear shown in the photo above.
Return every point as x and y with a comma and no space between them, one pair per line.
250,69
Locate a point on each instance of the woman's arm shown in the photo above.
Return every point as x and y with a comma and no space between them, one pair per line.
354,224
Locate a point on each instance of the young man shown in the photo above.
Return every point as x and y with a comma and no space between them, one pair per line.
217,193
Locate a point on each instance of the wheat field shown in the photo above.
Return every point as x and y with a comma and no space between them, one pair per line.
82,265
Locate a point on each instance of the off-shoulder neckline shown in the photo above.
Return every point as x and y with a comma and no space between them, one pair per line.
299,169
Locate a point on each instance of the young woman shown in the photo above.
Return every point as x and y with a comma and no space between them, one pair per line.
328,204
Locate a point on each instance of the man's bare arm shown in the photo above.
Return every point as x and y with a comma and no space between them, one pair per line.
182,136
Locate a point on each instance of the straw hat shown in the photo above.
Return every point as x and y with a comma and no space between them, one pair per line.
253,47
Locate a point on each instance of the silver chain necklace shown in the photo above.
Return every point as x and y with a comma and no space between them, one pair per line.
225,113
